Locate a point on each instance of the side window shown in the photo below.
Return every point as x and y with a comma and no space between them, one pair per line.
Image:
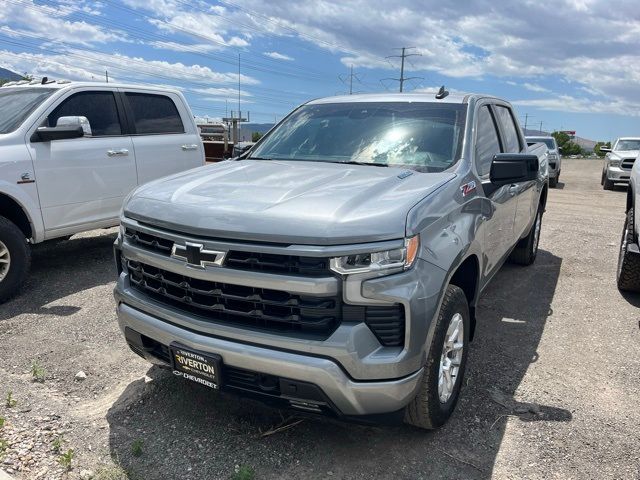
99,108
154,114
511,138
487,142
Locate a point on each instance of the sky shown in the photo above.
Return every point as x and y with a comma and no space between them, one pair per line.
570,64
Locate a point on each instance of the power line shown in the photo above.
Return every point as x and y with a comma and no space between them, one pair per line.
403,56
350,76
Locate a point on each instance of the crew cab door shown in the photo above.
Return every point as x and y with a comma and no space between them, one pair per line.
498,228
82,181
163,132
513,142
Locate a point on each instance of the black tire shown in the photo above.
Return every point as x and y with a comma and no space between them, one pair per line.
602,178
426,410
553,182
527,248
19,255
628,272
606,183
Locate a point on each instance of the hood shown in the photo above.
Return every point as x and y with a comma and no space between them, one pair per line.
285,201
625,153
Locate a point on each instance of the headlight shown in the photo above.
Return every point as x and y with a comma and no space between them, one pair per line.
614,161
397,259
553,156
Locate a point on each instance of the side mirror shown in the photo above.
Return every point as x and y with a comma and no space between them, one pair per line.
605,149
66,128
559,149
75,121
507,168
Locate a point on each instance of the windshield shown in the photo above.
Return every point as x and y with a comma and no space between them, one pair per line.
626,145
16,104
549,142
426,137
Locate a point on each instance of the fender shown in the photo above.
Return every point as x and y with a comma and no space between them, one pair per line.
24,195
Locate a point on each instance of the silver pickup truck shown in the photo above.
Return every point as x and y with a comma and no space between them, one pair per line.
335,267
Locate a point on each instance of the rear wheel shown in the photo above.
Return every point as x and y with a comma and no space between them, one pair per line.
442,378
628,272
527,249
15,259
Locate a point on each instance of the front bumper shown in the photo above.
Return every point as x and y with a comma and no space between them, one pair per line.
357,374
343,395
617,174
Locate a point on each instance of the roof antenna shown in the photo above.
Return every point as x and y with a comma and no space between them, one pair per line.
442,93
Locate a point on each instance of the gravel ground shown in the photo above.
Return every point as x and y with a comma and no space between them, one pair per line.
552,387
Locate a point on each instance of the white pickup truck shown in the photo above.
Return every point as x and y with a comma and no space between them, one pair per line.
70,152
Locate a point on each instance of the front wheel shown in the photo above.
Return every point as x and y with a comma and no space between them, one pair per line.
15,259
606,183
446,360
628,272
527,249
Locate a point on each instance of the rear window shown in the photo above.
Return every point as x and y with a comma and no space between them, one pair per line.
154,114
549,142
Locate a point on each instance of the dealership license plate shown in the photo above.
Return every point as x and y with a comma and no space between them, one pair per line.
203,368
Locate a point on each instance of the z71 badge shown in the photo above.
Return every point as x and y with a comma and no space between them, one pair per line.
467,188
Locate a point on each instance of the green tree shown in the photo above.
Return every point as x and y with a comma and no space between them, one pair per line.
255,136
597,151
564,142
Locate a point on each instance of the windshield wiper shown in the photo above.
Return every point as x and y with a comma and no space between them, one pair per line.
365,163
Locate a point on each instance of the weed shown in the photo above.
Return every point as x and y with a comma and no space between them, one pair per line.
3,446
136,448
115,472
65,459
38,372
11,402
1,422
243,472
56,444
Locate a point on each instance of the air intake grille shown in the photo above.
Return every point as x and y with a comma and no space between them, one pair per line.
238,305
387,324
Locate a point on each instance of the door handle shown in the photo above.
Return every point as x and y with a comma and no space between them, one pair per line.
193,146
513,189
118,153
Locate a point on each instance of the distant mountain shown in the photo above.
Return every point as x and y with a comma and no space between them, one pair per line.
9,75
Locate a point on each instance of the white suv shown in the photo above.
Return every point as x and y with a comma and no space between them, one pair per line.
71,152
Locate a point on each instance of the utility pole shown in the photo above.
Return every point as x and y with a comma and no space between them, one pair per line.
350,77
235,121
526,118
106,76
402,58
540,127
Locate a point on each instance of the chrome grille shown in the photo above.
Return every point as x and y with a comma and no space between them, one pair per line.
627,163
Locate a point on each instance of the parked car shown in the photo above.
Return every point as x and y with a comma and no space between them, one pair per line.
71,152
555,159
336,267
628,271
618,161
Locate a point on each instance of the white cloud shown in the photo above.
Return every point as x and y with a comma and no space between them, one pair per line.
278,56
79,64
568,103
46,21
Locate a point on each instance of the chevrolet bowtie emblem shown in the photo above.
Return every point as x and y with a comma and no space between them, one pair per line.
196,255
